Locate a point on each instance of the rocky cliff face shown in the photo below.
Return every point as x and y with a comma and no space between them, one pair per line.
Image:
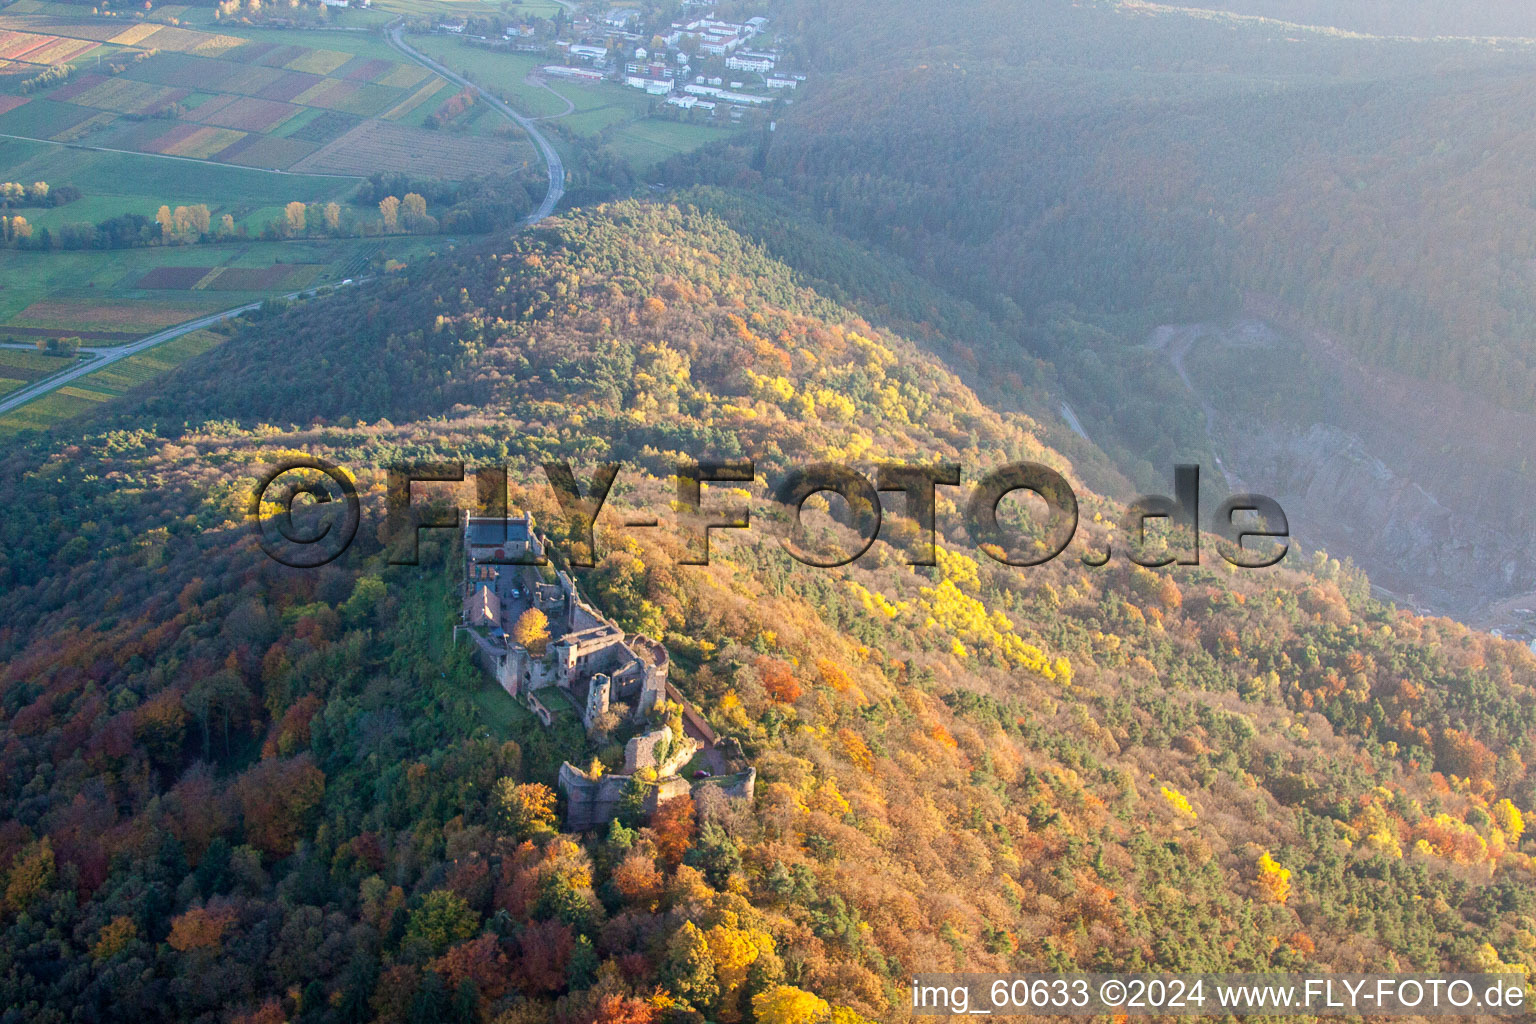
1454,552
1423,485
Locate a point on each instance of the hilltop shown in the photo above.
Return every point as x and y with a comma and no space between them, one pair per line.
238,791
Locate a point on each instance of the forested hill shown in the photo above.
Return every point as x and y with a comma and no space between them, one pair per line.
1146,161
238,792
1096,171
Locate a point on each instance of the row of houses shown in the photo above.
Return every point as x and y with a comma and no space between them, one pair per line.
716,38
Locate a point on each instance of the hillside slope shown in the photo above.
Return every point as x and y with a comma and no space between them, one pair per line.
235,791
1099,170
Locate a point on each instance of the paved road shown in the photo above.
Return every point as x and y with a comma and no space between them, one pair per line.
108,356
551,158
1070,415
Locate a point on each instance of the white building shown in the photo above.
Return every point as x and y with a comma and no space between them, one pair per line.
579,74
652,86
726,96
741,62
690,102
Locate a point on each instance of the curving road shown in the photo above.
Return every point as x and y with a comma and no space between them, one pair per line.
551,159
108,354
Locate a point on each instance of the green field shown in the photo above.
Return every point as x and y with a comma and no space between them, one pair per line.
20,366
127,293
646,143
505,73
117,183
109,382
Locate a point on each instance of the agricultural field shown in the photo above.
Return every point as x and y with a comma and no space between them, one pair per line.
376,144
117,183
314,102
115,296
19,367
89,392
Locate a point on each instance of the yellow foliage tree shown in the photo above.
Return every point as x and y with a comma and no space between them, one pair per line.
114,937
31,872
1510,821
1179,802
1274,881
524,809
532,631
785,1004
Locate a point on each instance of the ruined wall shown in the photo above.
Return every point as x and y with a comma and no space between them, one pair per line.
640,751
590,803
741,786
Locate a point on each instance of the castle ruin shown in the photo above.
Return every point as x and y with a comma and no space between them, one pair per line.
591,665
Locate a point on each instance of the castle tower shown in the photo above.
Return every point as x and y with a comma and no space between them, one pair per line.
599,691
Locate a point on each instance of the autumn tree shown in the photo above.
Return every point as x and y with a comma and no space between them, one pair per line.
442,920
638,881
545,948
778,679
114,937
785,1004
275,798
525,809
201,928
674,826
413,207
31,873
332,217
294,217
614,1008
1273,881
532,631
389,209
1509,819
688,971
